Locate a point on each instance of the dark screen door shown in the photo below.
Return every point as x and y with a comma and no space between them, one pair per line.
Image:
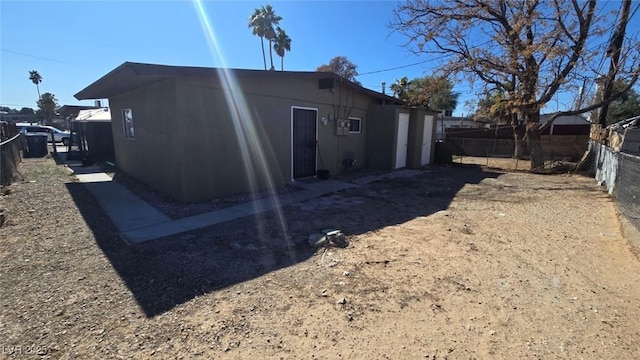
304,143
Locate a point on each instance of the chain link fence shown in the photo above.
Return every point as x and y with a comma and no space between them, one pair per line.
557,151
628,189
620,173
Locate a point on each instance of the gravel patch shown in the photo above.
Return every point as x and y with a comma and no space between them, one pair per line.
177,210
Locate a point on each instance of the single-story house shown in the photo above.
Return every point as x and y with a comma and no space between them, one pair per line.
566,125
455,122
71,111
199,133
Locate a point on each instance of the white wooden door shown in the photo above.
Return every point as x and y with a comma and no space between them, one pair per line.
427,139
401,144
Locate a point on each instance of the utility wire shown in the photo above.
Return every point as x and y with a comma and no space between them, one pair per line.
418,63
394,68
37,57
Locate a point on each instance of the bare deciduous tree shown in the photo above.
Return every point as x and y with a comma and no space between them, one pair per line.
528,50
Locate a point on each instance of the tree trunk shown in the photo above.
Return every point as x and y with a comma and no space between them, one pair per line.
518,136
535,146
264,57
271,55
526,130
532,136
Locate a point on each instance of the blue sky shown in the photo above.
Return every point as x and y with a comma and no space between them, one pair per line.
73,43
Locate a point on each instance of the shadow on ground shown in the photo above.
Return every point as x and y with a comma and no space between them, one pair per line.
167,272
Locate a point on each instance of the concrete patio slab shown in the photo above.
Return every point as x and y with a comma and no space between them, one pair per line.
138,221
231,213
126,210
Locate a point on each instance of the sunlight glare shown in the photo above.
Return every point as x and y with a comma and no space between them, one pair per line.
251,148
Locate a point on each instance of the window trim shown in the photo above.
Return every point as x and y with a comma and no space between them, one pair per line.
127,135
352,118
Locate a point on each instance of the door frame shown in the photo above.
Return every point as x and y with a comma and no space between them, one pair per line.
427,144
397,142
291,137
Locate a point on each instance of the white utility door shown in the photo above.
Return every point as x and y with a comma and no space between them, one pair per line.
427,139
401,145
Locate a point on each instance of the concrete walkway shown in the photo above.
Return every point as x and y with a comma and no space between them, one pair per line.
138,221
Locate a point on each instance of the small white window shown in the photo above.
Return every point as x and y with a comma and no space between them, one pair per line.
354,125
127,123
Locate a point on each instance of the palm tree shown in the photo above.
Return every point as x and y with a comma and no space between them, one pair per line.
399,88
270,20
256,22
35,77
282,43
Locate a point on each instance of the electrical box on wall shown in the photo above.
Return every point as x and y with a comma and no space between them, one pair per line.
342,127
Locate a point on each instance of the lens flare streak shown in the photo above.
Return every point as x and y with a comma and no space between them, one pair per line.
251,147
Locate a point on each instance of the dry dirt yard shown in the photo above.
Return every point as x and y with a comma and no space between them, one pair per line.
453,263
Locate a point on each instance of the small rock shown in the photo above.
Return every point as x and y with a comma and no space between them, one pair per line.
342,301
492,332
346,273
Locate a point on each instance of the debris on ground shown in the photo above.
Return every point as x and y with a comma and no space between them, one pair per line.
328,237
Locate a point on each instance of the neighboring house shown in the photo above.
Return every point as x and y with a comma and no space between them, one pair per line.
566,125
201,133
71,111
17,117
95,114
93,134
455,122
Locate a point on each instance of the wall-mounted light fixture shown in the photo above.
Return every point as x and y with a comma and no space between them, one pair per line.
324,120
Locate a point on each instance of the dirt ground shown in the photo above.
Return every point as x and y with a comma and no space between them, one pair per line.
456,262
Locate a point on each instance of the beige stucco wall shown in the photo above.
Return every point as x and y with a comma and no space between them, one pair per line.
264,111
382,136
186,144
153,156
414,144
416,132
